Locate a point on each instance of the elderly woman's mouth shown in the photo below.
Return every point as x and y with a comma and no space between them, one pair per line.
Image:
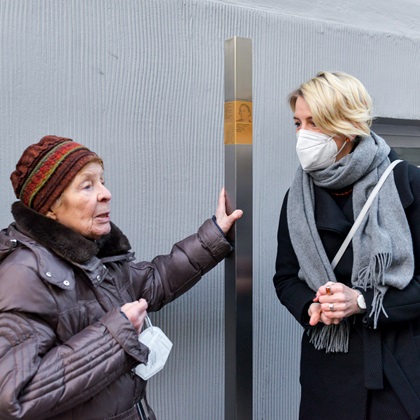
103,216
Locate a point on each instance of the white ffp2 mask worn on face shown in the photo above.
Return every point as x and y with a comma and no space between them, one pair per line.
316,150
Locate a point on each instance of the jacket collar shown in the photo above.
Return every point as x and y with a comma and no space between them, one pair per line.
64,241
329,216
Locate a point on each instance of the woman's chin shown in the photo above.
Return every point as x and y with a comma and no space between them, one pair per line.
99,231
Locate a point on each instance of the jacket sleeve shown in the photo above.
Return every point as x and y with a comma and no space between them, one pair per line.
167,277
404,305
40,377
292,292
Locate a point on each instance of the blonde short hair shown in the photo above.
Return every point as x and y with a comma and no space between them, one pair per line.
339,103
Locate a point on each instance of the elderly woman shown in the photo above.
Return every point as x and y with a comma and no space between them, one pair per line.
360,356
72,299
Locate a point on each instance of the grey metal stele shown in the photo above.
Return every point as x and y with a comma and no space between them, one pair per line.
238,266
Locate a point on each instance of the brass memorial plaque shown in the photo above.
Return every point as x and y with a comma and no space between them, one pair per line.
238,122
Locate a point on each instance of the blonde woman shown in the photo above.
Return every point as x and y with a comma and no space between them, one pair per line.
361,345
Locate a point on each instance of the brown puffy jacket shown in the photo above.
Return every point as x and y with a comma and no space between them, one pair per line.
66,350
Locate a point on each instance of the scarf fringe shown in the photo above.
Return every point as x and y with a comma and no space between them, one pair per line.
373,276
377,306
333,338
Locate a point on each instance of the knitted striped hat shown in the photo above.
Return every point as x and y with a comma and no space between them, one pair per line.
46,168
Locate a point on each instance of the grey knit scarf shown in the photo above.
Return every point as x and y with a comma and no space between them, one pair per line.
382,246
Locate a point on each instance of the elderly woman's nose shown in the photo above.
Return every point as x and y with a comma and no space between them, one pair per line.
104,194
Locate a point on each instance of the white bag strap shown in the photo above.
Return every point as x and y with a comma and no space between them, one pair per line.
147,322
363,212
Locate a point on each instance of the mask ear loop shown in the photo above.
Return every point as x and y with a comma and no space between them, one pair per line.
342,147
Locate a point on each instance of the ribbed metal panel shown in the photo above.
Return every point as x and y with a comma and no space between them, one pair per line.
141,83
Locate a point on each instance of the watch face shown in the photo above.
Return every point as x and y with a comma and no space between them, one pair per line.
361,302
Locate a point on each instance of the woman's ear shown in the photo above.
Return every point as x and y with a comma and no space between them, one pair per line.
51,214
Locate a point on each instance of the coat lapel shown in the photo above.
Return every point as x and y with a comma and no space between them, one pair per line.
329,215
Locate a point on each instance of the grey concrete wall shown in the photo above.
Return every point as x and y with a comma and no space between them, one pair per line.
386,16
141,83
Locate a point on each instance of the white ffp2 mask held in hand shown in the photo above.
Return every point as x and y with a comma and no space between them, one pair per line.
316,150
159,345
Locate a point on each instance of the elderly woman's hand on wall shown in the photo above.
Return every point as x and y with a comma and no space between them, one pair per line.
224,220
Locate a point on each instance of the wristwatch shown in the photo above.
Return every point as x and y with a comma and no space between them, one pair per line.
361,303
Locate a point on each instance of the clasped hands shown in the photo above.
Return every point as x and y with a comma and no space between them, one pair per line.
332,303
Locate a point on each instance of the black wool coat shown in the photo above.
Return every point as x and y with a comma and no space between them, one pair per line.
336,385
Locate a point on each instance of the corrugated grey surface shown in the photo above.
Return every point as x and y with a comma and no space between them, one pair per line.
388,16
141,83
